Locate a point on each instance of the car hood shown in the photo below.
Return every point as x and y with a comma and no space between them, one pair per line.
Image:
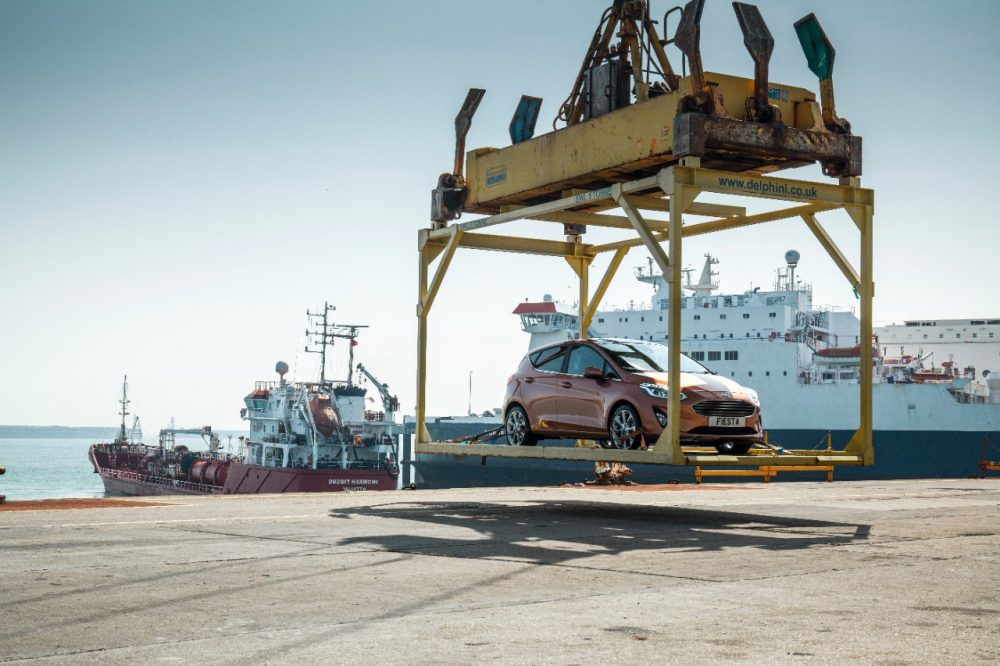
703,383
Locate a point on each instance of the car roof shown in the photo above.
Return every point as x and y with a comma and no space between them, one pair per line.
594,340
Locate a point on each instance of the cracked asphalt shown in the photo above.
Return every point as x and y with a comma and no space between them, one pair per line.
880,572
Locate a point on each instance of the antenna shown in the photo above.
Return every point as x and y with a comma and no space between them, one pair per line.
324,334
122,435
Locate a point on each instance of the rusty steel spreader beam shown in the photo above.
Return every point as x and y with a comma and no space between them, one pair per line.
759,42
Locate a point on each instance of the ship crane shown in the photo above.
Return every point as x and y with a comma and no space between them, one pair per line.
168,435
390,403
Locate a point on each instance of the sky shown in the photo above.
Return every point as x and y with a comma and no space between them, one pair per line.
180,181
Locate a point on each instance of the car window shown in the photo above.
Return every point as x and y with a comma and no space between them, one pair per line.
551,360
638,356
582,357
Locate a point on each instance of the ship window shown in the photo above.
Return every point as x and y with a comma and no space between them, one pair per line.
730,335
600,320
991,334
748,334
993,321
697,355
697,316
732,355
626,318
722,335
772,315
714,356
925,336
661,318
975,335
695,336
722,316
767,374
750,373
732,374
784,373
958,335
977,323
746,315
758,335
642,319
940,335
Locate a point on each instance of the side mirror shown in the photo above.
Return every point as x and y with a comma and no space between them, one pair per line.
593,373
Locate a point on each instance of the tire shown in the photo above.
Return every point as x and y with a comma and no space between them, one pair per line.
623,428
518,428
733,448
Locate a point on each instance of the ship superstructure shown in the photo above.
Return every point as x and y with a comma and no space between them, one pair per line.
304,437
936,382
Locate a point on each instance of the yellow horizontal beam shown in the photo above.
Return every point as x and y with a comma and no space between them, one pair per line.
595,220
749,220
769,187
695,208
647,456
717,225
522,245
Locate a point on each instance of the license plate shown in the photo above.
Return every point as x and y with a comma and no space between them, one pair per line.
727,421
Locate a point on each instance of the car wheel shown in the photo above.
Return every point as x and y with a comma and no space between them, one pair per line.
517,428
623,428
733,448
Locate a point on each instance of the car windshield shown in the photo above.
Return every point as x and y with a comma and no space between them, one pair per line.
636,356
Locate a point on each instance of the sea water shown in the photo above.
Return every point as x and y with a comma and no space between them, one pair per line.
47,469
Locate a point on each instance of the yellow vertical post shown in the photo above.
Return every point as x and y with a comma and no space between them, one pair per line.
677,204
581,266
863,216
866,294
421,427
427,293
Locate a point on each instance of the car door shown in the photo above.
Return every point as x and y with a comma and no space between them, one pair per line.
582,400
542,386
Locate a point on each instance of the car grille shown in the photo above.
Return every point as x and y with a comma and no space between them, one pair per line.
724,408
722,432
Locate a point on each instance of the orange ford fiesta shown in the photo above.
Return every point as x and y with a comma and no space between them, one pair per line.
615,391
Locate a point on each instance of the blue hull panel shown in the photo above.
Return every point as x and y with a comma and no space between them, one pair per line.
898,455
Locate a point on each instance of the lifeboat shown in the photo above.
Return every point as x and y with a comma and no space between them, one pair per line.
324,415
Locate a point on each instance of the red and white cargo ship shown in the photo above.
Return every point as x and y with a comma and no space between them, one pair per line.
304,437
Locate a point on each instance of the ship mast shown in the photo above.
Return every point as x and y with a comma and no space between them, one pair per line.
321,336
122,435
324,335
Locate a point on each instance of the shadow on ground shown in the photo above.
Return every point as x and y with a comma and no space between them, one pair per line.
557,533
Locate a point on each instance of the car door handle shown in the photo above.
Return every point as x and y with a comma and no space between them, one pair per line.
528,380
565,384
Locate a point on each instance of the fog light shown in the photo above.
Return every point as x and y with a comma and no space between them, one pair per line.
661,419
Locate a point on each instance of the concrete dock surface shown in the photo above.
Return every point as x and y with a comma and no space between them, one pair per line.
882,572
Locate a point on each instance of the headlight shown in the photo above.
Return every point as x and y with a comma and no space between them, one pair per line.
754,398
658,391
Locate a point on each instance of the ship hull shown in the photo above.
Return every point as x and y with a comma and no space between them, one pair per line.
898,454
243,479
140,486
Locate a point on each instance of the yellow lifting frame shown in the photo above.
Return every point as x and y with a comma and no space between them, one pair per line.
673,190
